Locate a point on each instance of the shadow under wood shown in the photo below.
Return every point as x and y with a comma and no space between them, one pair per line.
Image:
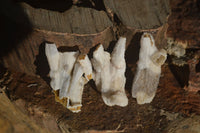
95,4
64,5
111,46
54,5
68,49
132,56
132,52
198,4
2,71
41,63
181,74
91,51
198,67
14,26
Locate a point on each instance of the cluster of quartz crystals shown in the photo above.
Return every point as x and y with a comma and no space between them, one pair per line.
109,73
70,71
66,72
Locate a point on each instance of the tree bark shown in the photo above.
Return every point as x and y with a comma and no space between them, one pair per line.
184,23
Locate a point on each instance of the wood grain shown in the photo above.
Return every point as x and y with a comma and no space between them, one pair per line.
78,20
140,14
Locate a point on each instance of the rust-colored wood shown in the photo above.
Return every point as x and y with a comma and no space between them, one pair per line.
184,23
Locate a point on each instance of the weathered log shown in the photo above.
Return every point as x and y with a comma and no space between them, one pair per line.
79,28
137,14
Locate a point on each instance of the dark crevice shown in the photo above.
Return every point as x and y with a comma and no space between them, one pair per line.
132,52
198,67
180,73
129,79
83,3
68,49
64,5
131,57
191,53
95,4
2,71
14,26
54,5
117,20
93,86
198,4
90,53
111,46
198,92
41,63
99,5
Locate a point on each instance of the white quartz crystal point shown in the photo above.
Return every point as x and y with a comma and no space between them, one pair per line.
86,65
82,66
66,72
75,91
118,54
61,65
109,74
66,63
148,72
52,56
53,60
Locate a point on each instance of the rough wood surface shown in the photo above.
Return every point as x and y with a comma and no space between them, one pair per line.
12,120
140,14
172,96
184,23
77,20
